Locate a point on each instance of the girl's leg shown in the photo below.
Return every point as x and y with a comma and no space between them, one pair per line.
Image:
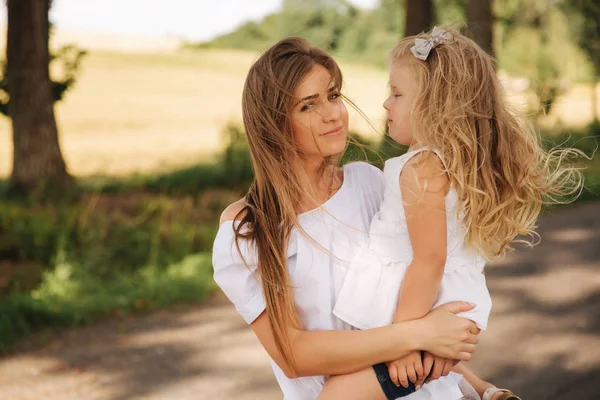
369,384
468,392
478,384
362,385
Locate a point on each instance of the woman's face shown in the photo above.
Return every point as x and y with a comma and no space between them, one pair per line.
403,87
319,117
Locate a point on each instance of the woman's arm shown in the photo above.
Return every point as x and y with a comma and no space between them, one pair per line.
335,352
342,352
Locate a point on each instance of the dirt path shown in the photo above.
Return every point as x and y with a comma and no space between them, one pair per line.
543,340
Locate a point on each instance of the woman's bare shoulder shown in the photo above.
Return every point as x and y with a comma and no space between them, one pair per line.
232,212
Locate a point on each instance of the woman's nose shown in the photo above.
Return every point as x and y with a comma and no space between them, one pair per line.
331,112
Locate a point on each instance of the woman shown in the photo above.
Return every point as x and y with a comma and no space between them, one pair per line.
280,252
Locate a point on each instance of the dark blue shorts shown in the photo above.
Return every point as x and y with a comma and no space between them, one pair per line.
390,389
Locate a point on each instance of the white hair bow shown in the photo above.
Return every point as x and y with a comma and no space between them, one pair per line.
423,47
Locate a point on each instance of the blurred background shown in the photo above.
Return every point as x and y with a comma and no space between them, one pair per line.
115,166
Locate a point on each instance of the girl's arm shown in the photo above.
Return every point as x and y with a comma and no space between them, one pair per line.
423,184
342,352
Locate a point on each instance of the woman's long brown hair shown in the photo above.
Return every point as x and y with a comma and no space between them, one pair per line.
274,197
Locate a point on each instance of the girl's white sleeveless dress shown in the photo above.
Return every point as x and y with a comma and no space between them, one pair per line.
369,294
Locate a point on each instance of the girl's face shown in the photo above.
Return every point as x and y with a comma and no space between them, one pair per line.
403,87
319,117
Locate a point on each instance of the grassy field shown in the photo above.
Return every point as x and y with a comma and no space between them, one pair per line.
143,112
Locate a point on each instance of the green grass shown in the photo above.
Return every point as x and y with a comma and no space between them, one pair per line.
185,181
61,301
110,253
126,245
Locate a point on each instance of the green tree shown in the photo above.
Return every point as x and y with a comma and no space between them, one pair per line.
481,22
535,42
420,16
38,163
588,37
372,33
311,4
68,58
323,27
450,12
390,16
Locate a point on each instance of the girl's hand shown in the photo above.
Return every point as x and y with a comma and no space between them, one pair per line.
434,367
409,368
428,360
438,367
446,335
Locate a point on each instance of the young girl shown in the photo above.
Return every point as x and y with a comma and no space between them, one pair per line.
473,181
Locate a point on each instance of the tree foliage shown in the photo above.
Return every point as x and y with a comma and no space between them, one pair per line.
551,43
66,60
586,27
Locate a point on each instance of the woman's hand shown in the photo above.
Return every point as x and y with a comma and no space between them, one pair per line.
446,335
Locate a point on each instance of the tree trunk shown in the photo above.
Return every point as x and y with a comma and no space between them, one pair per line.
419,16
481,23
38,161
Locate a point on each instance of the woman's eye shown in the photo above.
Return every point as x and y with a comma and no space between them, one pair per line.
334,96
306,107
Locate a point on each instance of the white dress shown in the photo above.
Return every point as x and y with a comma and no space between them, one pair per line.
370,292
340,226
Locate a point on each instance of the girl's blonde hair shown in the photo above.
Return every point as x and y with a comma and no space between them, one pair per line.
275,195
493,156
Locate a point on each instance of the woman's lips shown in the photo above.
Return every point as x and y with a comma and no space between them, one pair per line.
333,132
